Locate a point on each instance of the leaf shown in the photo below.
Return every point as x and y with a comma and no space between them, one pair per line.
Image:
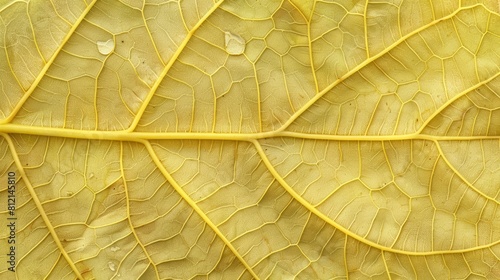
250,139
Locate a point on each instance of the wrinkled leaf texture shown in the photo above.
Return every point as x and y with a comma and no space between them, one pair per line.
251,139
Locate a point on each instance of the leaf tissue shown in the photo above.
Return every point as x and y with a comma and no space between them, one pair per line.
256,139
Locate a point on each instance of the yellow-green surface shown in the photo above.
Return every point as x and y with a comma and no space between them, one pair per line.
251,139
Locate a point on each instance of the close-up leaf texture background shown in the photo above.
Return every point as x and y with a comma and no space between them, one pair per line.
251,139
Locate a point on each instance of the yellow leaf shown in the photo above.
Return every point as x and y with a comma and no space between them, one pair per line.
249,139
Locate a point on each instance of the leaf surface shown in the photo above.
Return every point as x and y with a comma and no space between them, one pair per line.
251,139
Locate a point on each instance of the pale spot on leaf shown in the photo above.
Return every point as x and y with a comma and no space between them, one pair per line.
112,266
106,47
235,44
